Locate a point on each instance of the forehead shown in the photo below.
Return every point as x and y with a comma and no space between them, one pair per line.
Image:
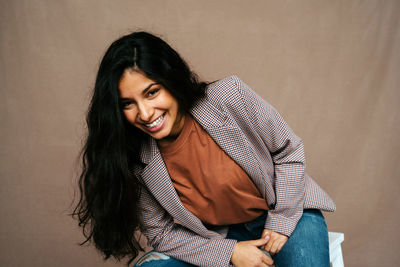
133,82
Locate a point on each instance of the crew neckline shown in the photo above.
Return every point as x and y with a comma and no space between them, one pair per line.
181,139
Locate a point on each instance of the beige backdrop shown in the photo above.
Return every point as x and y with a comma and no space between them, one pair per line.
330,67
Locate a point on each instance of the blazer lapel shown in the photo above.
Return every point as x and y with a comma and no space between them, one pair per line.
228,135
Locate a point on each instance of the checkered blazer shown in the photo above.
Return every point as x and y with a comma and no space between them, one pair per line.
256,137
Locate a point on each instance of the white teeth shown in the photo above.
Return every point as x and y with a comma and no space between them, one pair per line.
155,123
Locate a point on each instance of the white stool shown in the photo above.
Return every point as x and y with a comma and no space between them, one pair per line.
335,249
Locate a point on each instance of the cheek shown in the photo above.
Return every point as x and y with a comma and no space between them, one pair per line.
174,105
130,116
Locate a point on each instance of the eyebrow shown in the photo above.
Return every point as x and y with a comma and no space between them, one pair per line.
148,88
145,90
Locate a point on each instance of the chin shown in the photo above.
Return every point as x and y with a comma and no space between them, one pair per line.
158,136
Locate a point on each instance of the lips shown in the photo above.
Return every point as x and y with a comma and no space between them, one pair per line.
155,125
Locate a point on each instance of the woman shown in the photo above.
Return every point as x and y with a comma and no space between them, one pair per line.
210,173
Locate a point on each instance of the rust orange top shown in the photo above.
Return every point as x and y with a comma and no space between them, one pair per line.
209,183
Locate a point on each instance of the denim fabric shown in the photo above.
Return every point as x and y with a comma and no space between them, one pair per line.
308,245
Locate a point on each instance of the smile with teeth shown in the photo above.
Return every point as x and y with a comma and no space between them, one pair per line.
155,123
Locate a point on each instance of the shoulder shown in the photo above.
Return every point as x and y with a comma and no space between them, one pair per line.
224,85
231,93
226,90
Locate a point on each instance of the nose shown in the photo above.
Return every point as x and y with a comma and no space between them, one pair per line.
145,112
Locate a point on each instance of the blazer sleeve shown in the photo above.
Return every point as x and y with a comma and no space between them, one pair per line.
175,240
287,153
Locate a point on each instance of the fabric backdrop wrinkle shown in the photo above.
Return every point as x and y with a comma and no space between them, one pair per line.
329,67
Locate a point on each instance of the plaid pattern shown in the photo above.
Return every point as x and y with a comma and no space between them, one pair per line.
256,137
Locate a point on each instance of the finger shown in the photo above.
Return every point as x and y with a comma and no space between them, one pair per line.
265,233
280,247
258,242
281,244
269,244
275,247
263,264
266,236
267,260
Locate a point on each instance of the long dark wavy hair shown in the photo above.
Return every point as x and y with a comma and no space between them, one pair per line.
109,190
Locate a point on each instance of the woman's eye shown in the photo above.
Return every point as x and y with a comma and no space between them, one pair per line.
153,92
127,105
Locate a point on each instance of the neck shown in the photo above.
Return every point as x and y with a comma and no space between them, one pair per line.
174,134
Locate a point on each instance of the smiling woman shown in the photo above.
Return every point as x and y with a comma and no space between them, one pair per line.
163,147
108,209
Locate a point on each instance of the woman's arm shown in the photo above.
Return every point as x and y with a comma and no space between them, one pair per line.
287,152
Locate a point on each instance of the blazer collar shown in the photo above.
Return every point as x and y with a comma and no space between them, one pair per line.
149,150
207,115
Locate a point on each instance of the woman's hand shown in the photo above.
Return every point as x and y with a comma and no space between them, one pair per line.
247,254
275,243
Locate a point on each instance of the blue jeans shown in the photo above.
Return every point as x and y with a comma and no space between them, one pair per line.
307,246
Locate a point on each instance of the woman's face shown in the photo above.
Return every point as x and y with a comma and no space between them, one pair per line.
148,106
